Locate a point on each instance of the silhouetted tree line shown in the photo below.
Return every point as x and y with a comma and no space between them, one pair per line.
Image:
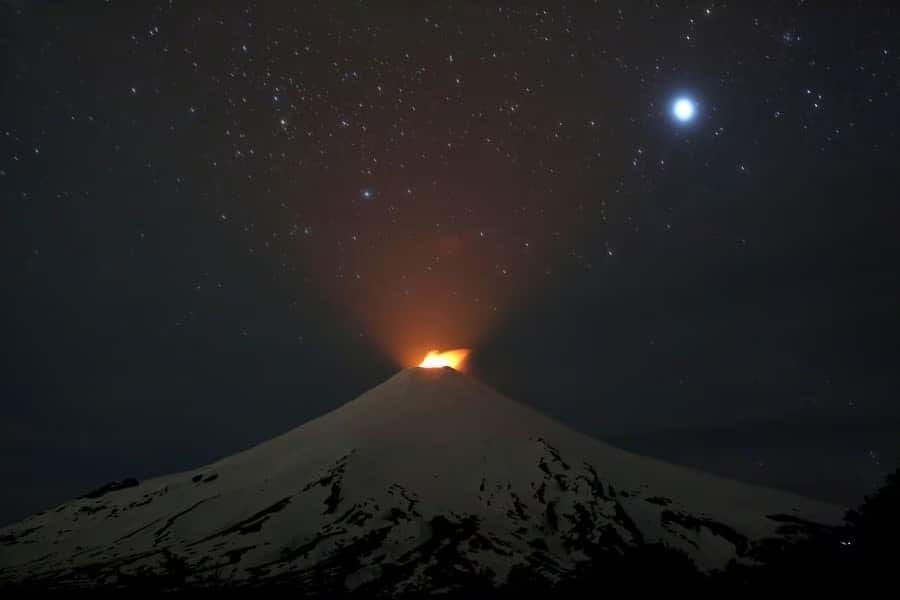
861,554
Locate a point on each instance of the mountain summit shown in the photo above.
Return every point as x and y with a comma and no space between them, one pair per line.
424,482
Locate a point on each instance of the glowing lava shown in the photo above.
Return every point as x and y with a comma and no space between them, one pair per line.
449,358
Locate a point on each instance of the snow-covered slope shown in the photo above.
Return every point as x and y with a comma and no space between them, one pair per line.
426,478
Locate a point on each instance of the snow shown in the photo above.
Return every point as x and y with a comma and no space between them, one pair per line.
430,458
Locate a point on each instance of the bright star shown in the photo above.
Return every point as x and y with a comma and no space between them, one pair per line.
684,109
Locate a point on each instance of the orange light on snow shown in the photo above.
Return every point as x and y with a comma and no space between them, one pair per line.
449,358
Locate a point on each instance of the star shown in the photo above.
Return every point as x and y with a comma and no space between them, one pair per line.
684,109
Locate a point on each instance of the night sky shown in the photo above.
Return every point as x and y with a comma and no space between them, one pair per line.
218,223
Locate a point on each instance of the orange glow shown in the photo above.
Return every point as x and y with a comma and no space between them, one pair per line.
450,358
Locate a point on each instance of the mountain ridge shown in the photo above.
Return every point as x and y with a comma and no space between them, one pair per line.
425,479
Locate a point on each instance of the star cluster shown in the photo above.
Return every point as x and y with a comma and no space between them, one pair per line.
485,141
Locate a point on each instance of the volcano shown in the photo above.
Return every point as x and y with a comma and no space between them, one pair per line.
423,483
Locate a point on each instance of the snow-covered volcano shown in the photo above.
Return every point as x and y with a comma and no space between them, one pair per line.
426,478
